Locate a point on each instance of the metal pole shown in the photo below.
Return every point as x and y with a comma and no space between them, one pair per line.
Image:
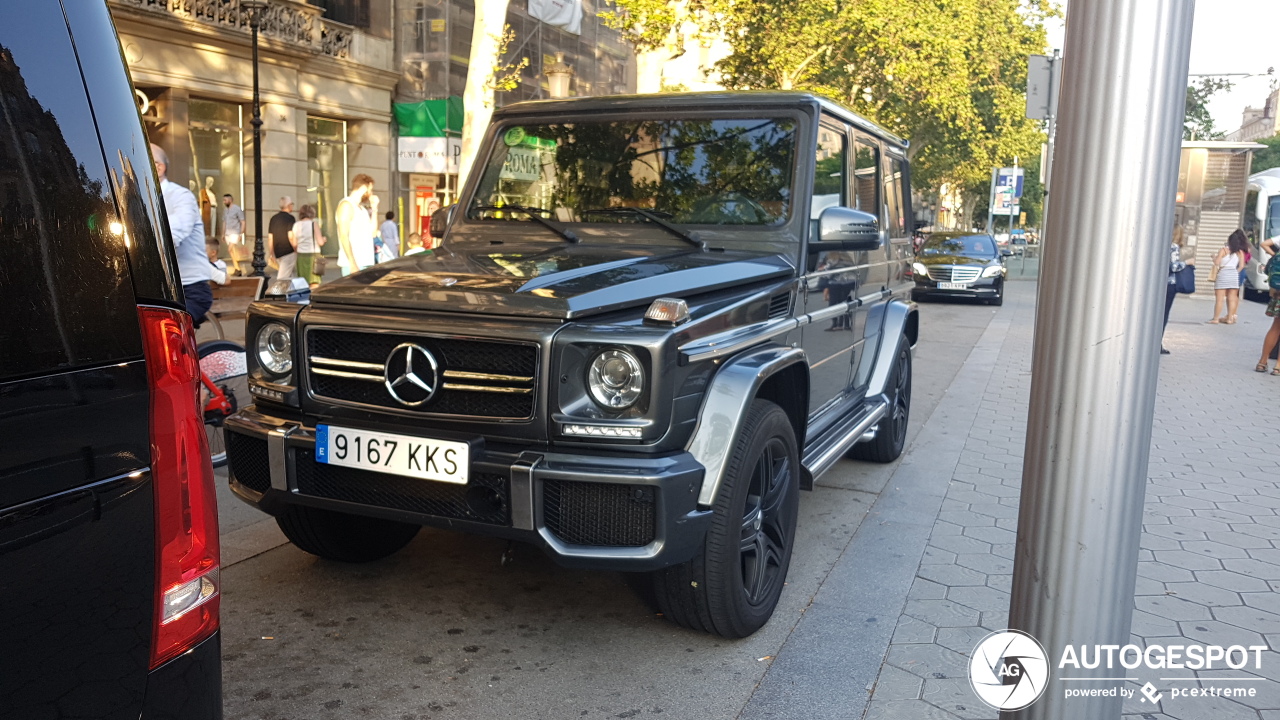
259,258
991,202
1047,166
1013,198
1095,360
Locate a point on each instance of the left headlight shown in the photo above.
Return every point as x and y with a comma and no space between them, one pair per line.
993,271
920,270
615,379
275,348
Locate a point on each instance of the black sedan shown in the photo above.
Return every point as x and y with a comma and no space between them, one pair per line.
959,265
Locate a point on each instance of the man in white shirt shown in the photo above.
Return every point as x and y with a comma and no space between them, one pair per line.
233,232
188,239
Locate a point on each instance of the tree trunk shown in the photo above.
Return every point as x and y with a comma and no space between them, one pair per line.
649,65
477,98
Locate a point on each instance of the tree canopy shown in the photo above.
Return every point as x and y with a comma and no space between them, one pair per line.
1267,158
1198,122
949,75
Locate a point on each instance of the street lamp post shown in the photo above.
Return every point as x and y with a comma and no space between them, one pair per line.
558,75
255,9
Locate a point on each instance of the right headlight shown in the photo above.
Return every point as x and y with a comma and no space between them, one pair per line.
615,379
920,270
274,345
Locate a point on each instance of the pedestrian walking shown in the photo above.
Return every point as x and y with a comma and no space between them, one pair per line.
355,218
307,243
1177,272
388,244
1272,338
284,256
1226,277
183,211
233,233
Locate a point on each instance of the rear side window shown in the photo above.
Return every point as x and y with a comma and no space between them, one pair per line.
866,176
894,188
66,299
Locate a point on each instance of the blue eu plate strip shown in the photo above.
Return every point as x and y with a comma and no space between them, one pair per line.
322,444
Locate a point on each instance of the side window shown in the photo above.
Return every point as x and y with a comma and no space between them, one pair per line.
831,168
66,299
866,177
894,189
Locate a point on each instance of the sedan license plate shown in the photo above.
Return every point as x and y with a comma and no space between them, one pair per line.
953,286
415,457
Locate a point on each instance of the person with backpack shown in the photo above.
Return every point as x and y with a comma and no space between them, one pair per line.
1269,342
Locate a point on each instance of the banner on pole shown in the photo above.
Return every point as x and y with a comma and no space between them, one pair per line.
564,14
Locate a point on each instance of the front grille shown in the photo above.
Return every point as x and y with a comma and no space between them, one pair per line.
600,514
475,378
248,460
954,273
484,499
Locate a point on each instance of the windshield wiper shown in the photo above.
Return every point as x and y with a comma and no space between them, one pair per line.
534,214
651,217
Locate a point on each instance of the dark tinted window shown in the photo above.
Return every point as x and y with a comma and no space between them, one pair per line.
971,245
866,176
893,193
65,294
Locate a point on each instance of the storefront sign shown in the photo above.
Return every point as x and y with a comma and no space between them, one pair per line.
429,154
522,164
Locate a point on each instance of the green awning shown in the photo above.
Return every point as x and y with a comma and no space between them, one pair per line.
430,118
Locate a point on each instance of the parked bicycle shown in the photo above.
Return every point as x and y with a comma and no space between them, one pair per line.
223,374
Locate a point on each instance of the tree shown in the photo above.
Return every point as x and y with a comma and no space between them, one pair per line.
659,30
486,72
1198,123
1268,158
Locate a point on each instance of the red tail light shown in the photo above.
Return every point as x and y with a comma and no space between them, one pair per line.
187,563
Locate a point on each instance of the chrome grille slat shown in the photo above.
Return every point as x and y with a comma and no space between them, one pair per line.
479,378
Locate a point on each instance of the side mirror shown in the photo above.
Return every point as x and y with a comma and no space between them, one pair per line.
842,228
1006,253
440,221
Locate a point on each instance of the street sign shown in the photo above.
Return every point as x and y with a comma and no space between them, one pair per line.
1042,86
1007,191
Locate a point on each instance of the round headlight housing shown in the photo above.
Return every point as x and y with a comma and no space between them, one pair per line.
275,348
615,379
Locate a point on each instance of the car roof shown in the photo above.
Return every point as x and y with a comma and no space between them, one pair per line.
953,235
735,100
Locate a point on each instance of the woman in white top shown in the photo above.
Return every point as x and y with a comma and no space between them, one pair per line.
1226,286
308,241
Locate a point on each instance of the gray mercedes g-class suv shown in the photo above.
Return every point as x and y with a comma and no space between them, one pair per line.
651,322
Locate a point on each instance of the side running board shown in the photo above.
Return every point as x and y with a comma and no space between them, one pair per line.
821,455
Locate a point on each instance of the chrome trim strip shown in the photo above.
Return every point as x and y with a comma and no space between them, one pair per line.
487,388
276,460
735,339
538,350
467,375
348,375
347,363
824,460
831,311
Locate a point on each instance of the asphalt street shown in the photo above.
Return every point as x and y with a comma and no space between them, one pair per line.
443,630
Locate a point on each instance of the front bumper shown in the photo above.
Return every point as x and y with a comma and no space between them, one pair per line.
980,288
603,513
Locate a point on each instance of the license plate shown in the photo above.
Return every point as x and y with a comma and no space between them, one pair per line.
953,286
415,457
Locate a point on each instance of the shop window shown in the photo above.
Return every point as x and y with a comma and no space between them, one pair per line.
327,171
217,154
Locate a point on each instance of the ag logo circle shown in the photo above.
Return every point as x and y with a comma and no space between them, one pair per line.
1009,670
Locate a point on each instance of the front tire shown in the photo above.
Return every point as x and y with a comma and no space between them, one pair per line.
891,436
731,587
343,537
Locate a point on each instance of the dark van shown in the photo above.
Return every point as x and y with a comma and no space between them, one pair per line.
108,525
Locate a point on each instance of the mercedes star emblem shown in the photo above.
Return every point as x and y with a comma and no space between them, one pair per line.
410,374
447,282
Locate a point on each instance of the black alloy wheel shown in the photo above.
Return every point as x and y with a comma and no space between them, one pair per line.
891,435
765,537
732,585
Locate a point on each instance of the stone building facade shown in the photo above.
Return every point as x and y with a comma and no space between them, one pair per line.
326,89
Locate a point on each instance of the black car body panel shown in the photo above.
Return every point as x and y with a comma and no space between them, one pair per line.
766,311
77,505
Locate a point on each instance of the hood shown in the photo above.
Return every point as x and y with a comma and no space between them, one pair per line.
954,260
564,281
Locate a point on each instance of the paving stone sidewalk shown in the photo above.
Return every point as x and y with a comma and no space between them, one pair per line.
1210,562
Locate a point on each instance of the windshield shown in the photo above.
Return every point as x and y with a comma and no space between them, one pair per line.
697,172
971,245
